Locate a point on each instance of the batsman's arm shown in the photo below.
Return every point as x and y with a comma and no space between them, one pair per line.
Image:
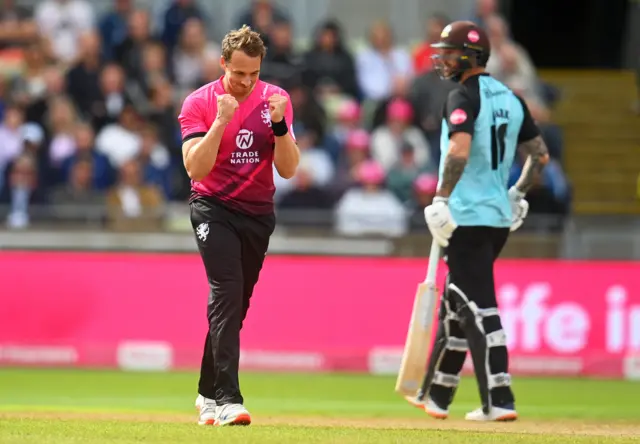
460,112
537,157
455,163
530,142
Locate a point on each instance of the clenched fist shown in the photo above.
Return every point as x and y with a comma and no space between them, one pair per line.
227,106
277,107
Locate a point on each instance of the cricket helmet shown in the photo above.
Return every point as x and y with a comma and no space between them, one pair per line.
471,46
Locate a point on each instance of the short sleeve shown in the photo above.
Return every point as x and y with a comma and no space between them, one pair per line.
529,129
461,111
192,118
288,116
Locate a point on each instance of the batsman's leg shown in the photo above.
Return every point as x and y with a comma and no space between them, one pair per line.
472,290
445,363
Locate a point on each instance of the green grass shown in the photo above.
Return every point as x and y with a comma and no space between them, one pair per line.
73,406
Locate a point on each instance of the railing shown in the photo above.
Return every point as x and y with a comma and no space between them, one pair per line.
314,232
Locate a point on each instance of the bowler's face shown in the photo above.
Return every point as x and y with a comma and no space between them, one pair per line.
242,72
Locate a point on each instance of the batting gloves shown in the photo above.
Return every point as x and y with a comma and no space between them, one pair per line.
439,220
519,207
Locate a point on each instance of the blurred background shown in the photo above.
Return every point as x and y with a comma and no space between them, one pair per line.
90,152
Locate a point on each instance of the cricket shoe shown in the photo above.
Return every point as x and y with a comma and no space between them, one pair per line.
429,406
207,410
500,414
232,414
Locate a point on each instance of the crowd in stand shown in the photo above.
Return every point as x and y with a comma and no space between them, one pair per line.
89,105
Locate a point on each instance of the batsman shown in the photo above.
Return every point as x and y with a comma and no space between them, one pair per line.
484,125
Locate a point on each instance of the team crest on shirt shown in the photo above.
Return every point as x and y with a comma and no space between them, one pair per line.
266,117
458,117
244,139
202,231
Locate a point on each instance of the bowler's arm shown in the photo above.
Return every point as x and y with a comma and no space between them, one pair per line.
460,112
287,154
200,144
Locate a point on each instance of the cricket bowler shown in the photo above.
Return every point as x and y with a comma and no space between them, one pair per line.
484,124
233,131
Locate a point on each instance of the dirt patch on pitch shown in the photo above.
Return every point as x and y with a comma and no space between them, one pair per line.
523,426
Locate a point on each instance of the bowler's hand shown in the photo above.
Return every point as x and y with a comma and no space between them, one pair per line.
277,107
439,220
227,106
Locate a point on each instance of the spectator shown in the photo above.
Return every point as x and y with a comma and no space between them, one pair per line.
177,15
354,153
188,58
133,205
120,141
83,80
17,27
422,55
424,190
112,97
309,113
259,16
370,208
305,193
61,122
22,191
101,171
34,145
329,59
155,161
129,53
323,168
483,9
30,84
403,174
379,65
55,85
428,94
113,27
161,112
63,22
78,199
281,63
387,139
154,71
12,143
348,120
400,90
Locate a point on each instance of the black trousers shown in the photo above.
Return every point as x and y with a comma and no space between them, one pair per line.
470,257
233,247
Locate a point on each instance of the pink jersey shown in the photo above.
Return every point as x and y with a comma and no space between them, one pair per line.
242,176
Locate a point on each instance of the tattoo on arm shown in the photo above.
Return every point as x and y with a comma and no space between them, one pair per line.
537,158
453,169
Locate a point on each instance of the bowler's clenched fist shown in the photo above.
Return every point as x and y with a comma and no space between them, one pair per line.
277,107
227,106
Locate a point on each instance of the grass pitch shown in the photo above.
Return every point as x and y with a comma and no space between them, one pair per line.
73,406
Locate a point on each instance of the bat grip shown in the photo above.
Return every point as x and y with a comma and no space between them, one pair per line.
434,257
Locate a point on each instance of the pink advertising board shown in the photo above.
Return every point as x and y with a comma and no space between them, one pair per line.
148,311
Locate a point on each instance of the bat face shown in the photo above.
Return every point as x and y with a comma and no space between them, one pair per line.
418,343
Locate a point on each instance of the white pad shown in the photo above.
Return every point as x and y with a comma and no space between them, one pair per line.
446,379
497,338
499,380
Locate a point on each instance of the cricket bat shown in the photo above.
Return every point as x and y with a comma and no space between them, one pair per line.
418,344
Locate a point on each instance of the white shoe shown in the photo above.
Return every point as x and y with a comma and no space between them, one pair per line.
430,407
495,414
232,414
207,410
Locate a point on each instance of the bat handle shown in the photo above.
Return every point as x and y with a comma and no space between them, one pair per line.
434,257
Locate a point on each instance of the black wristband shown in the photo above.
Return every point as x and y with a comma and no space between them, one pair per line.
279,128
